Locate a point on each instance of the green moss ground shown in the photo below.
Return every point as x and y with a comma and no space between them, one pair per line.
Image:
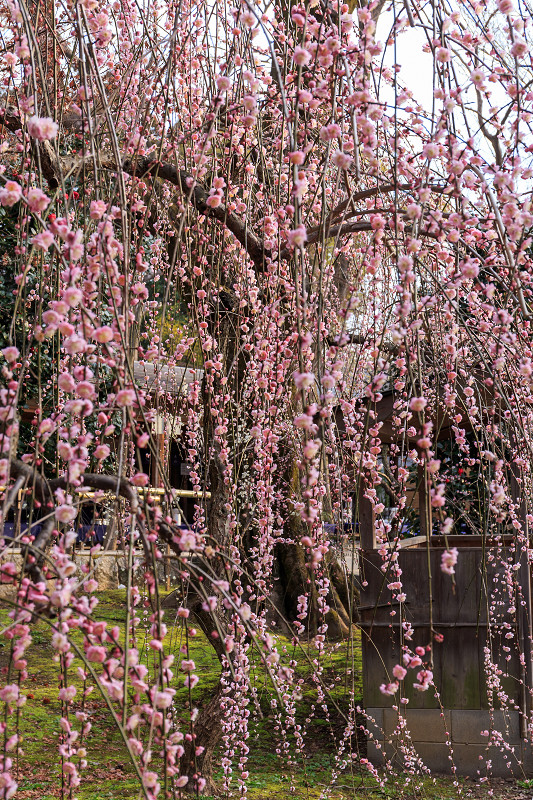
110,773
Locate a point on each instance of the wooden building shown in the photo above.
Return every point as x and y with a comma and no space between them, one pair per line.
480,614
163,384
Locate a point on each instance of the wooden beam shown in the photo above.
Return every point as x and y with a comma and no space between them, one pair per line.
367,520
424,503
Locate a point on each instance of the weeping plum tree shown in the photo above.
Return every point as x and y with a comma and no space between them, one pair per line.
333,233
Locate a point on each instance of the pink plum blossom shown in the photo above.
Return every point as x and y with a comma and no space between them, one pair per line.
303,380
342,160
96,653
449,560
125,397
297,237
399,672
42,128
103,334
418,404
65,513
10,693
140,479
101,451
11,354
97,209
301,56
66,382
223,83
10,193
68,693
424,678
43,240
37,200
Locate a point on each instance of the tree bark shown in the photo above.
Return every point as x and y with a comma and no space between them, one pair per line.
296,580
206,734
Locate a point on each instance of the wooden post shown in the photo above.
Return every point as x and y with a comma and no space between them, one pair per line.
159,461
424,503
367,520
167,569
524,611
110,538
158,454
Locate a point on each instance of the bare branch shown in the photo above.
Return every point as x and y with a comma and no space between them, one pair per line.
344,339
493,138
197,196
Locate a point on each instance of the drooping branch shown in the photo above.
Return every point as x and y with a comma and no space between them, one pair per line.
194,193
52,168
44,493
106,483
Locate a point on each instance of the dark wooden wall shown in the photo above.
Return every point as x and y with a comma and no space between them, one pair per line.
459,610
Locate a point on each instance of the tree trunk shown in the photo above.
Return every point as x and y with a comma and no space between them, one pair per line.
295,579
207,734
207,728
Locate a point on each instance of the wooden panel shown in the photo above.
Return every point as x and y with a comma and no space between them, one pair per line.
458,611
457,675
164,378
460,600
